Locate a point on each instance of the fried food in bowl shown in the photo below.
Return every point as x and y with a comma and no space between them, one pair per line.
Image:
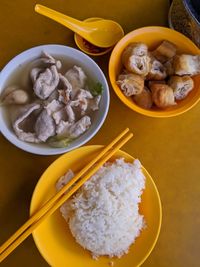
169,54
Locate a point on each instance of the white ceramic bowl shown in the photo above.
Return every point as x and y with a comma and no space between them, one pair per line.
76,57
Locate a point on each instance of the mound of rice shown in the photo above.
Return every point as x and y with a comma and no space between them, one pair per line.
103,215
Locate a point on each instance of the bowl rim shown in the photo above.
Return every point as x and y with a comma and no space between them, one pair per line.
191,11
31,208
123,98
30,147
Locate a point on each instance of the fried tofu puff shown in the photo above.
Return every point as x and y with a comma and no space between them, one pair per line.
137,49
135,58
186,64
144,99
162,95
150,83
181,86
169,67
130,84
157,70
165,51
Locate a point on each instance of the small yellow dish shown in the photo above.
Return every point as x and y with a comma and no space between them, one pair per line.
89,48
53,237
152,36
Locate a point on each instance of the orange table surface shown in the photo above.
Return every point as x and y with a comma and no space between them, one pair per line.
168,148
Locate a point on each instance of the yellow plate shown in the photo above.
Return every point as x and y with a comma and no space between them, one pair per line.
53,237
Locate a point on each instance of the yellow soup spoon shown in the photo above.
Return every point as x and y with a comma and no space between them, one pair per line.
102,33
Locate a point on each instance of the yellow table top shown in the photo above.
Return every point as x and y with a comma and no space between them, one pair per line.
168,148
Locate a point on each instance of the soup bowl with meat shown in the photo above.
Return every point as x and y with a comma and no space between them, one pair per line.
53,99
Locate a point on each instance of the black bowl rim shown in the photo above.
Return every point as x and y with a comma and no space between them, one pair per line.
189,7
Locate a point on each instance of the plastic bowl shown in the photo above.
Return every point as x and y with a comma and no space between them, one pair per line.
75,57
152,36
89,48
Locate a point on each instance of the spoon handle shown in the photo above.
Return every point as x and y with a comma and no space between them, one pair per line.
71,23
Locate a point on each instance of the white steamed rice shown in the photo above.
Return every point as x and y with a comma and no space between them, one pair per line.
103,215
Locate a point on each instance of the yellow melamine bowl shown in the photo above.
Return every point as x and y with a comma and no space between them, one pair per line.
152,36
88,48
53,237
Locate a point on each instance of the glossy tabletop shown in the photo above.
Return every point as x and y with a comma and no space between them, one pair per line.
168,148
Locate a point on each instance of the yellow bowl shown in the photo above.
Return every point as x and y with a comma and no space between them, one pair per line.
53,237
88,48
152,36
